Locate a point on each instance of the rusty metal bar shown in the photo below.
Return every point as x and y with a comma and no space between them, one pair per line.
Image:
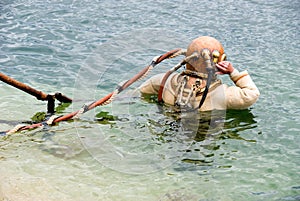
38,94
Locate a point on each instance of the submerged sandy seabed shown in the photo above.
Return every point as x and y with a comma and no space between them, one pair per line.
23,188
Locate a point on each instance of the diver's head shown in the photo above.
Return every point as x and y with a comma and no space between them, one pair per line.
197,46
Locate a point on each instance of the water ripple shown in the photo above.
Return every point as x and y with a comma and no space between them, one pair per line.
254,157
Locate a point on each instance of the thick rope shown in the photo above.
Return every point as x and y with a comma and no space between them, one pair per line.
51,120
180,52
110,97
19,127
82,110
15,129
146,73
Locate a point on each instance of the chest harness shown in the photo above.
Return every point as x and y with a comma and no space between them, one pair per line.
186,95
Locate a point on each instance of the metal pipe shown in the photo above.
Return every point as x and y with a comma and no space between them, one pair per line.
38,94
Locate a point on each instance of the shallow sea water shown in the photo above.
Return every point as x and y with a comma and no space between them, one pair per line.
134,149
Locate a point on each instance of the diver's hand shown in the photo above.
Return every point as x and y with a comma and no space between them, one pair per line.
224,67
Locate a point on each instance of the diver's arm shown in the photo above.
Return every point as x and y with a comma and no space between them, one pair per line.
244,93
151,86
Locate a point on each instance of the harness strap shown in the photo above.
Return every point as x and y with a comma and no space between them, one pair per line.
195,88
162,86
194,74
210,72
180,91
172,70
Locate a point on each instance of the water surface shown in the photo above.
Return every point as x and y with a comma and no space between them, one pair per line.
134,149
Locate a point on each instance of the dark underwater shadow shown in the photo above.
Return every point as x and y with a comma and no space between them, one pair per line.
194,136
221,124
209,131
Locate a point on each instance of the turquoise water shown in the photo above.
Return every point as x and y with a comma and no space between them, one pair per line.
134,149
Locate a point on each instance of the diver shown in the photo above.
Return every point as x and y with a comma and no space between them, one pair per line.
198,87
